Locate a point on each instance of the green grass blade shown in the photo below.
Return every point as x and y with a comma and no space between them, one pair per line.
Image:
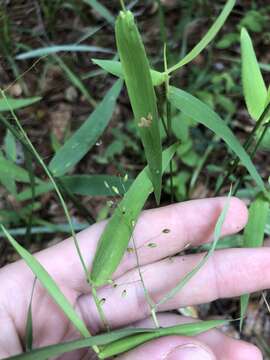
101,9
254,88
49,284
115,238
45,51
203,114
217,235
51,351
128,343
208,37
254,236
141,93
88,185
17,103
87,135
113,338
115,68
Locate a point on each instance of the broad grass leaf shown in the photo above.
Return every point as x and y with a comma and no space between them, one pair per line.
208,37
88,185
17,103
203,114
87,135
115,68
49,284
255,91
141,93
130,342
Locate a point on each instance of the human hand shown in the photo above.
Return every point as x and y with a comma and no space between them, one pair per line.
228,273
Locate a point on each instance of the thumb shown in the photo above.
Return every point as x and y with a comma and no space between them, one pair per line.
170,348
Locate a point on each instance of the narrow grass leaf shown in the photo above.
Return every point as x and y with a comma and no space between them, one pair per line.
88,185
17,103
128,343
208,37
51,351
255,91
203,261
49,284
87,135
141,93
254,236
60,48
115,68
112,338
115,238
101,10
203,114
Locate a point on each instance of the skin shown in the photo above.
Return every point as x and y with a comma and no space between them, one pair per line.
228,273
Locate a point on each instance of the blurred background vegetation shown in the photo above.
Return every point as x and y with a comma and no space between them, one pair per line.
70,87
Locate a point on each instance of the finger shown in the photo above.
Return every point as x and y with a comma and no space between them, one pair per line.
228,273
189,222
221,346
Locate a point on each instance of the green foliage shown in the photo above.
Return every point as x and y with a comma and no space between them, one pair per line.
87,135
253,84
201,113
17,103
174,113
49,285
141,93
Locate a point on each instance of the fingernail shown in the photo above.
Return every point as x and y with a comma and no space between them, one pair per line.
189,352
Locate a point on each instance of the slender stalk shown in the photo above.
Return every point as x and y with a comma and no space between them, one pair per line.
162,26
122,3
35,153
99,308
150,302
51,179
